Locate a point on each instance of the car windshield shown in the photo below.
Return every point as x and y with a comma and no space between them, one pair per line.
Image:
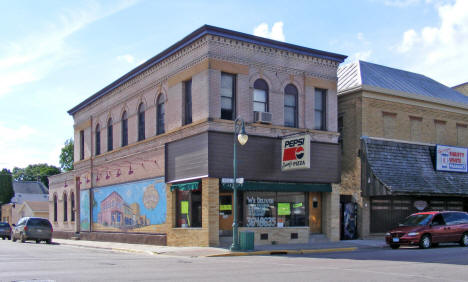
417,220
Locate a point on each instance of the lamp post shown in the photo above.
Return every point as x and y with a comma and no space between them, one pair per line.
242,137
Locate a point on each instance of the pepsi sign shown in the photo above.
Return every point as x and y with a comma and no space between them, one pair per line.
295,152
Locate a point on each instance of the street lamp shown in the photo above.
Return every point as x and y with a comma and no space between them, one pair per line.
242,137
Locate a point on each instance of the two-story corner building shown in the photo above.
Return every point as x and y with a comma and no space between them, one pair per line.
390,122
152,148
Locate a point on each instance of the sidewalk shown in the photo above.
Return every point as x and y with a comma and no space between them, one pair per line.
322,247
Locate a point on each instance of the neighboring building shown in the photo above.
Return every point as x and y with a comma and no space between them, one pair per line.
390,121
152,147
462,88
33,209
31,191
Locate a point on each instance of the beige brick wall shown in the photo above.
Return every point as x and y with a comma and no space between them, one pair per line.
462,88
208,234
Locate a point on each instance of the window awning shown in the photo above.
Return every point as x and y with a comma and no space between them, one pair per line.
185,186
279,187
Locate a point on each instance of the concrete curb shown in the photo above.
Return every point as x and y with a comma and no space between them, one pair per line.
284,252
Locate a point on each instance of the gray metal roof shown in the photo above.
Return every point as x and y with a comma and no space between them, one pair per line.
29,187
408,168
365,73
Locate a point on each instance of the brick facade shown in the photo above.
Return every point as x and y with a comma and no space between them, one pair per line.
416,120
202,61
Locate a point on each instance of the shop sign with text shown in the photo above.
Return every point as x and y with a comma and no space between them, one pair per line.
295,152
451,158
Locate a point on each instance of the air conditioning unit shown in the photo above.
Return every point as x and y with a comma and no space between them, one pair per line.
263,117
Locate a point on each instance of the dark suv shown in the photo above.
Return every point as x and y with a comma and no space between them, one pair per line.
426,229
32,228
5,230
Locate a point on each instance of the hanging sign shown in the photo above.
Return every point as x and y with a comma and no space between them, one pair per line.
451,158
295,152
184,207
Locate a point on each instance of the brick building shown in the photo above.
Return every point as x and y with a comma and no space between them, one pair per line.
390,121
160,139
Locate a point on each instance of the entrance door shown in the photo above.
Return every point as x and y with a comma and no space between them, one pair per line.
225,213
315,212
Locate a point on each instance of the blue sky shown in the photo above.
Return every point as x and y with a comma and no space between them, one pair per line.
54,54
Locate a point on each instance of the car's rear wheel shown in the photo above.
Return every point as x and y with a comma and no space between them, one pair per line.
38,241
464,240
49,241
394,246
22,239
9,237
425,242
3,238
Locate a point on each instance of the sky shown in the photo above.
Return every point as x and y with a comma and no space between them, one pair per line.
54,54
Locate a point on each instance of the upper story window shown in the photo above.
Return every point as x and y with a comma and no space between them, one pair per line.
228,96
320,115
290,106
340,130
260,99
110,135
81,144
98,140
124,129
160,115
141,122
188,102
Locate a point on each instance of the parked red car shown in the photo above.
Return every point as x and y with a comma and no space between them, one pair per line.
426,229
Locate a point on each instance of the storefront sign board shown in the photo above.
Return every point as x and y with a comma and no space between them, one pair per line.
451,158
295,152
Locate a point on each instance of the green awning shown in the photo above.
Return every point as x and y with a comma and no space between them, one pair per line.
279,187
185,186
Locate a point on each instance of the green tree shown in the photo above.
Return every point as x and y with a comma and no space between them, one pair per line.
66,156
35,172
6,186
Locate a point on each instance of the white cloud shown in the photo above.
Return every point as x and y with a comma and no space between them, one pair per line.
276,32
440,51
364,56
126,58
33,57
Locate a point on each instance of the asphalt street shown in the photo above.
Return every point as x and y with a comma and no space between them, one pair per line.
30,261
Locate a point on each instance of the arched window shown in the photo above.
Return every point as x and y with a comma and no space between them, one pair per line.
260,96
290,106
98,140
160,115
124,129
65,207
141,122
55,208
110,136
72,205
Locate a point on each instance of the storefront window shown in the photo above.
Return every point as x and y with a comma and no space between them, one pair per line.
188,208
275,209
225,204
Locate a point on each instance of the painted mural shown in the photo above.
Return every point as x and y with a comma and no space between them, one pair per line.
131,207
84,210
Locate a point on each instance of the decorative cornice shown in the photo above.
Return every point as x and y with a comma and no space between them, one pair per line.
178,49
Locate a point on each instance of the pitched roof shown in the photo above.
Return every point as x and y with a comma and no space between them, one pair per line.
409,168
29,187
362,73
38,206
200,32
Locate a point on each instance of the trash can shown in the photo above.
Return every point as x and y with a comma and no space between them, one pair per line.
247,239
